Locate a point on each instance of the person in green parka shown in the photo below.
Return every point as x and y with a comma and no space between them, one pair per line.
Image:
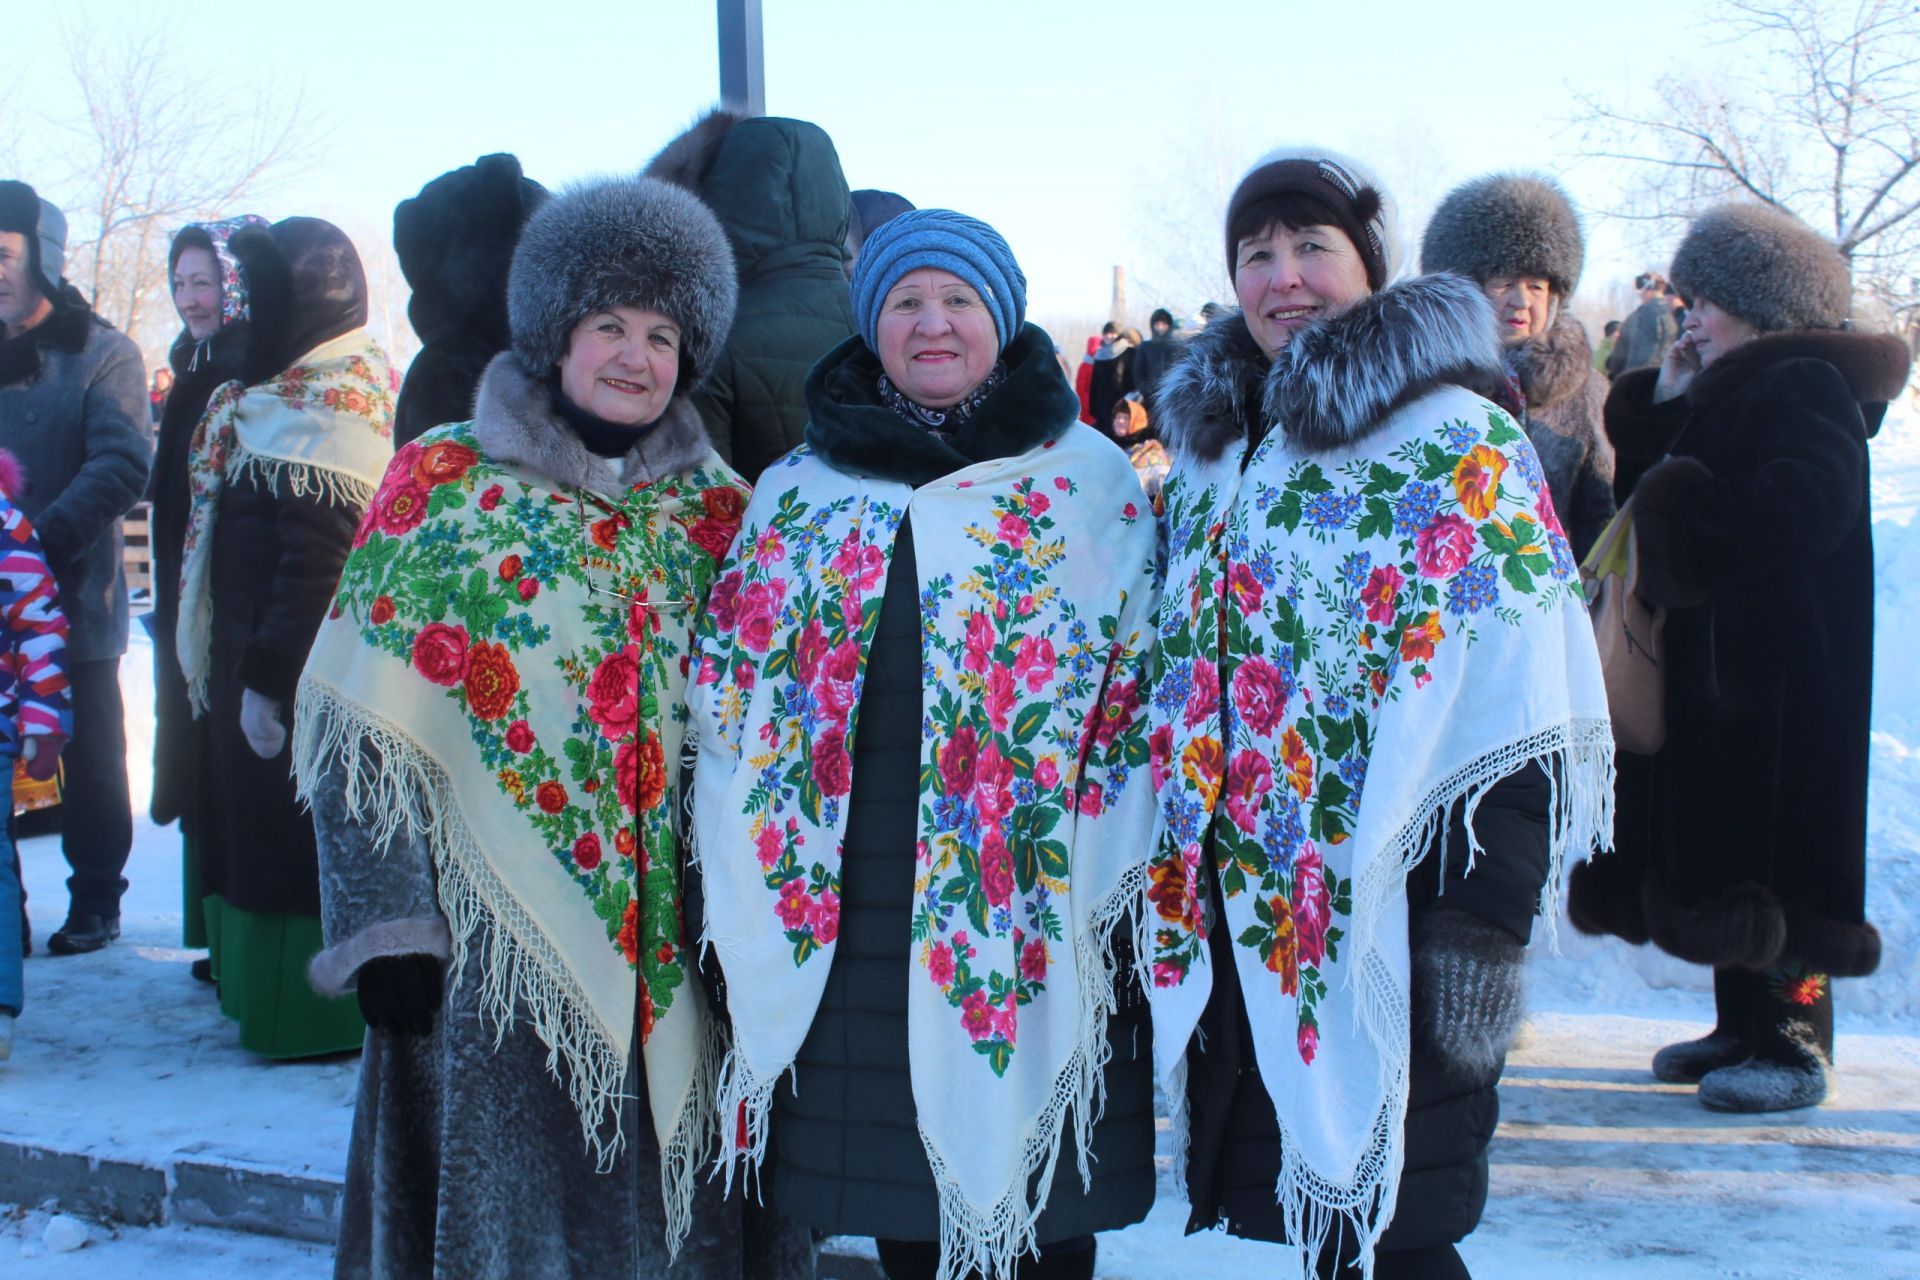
777,188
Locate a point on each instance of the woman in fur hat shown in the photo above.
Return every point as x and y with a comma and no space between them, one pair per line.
486,728
1371,628
270,450
1746,458
1517,237
921,800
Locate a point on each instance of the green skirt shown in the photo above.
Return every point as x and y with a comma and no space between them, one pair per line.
260,961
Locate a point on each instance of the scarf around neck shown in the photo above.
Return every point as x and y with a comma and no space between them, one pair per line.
517,655
324,425
1036,591
1350,642
953,416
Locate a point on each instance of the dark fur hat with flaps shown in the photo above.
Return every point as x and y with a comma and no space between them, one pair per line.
1764,266
1506,224
622,242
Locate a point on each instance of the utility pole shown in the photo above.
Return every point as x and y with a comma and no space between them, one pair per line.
743,71
1118,312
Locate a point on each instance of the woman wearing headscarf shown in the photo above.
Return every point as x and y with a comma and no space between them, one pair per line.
280,466
1518,238
1377,724
920,802
485,729
1745,458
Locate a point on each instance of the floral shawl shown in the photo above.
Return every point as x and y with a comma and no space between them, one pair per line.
1036,591
1350,642
325,424
516,658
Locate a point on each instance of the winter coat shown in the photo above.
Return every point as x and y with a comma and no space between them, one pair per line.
1112,379
276,557
1644,337
467,1157
33,639
1467,930
1151,362
777,188
845,1155
1564,395
455,241
1748,847
73,410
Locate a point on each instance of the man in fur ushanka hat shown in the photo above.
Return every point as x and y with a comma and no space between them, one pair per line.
1517,237
485,731
1742,843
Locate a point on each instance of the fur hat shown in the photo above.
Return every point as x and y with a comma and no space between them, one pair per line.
622,242
1506,224
23,212
1365,210
1764,266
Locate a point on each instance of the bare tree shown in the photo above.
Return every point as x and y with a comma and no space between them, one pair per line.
1825,124
137,147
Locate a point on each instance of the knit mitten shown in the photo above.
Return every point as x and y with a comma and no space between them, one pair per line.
1469,991
1735,994
1793,1047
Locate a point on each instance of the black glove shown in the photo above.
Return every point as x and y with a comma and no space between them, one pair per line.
400,994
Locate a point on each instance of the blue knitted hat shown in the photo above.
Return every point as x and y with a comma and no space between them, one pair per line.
967,247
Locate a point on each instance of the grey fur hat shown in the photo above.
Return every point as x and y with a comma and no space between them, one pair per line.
1765,266
1507,224
622,242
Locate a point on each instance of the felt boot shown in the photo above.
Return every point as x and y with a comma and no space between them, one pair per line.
1793,1048
1735,994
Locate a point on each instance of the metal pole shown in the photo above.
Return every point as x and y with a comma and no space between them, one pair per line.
743,73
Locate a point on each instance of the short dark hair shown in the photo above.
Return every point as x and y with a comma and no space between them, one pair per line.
1109,328
1613,327
1294,210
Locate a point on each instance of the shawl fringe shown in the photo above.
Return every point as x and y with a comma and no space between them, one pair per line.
395,787
1578,757
304,480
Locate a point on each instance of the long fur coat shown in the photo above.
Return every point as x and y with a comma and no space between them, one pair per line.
1564,396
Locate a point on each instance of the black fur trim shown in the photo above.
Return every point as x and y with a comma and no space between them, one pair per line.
1875,365
1205,399
1336,382
1832,947
514,422
66,329
1603,899
1742,927
1662,502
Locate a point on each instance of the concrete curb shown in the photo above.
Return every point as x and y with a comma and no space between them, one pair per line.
232,1196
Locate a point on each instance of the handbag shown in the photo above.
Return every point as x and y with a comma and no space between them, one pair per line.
1630,634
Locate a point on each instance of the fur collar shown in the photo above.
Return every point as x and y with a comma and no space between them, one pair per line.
684,161
66,328
1337,381
1555,366
852,431
514,422
1875,365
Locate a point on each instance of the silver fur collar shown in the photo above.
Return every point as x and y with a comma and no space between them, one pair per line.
1337,381
514,422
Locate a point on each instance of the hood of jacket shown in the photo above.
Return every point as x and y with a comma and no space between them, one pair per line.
1336,381
1875,365
853,431
1553,367
515,422
775,184
455,242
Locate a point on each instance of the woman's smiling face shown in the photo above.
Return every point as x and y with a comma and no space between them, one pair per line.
1287,279
621,364
936,337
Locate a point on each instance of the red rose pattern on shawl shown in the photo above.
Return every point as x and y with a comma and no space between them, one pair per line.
1437,541
452,593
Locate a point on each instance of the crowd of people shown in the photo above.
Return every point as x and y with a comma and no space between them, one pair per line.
749,750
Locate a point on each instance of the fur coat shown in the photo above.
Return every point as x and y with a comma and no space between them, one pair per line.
1748,847
1564,395
433,1187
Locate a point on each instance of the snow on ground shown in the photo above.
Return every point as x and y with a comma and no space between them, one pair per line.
1598,1171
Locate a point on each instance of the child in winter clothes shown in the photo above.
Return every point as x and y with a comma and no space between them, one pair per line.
34,716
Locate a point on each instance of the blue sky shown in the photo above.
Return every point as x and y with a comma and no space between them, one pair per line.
1090,135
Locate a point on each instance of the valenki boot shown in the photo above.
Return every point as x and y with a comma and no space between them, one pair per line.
1792,1051
1736,993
